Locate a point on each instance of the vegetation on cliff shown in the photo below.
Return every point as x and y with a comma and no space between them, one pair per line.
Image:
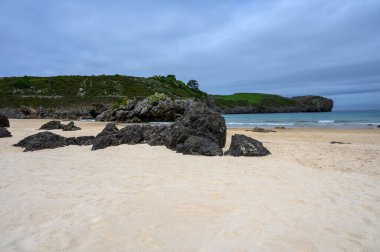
252,99
85,90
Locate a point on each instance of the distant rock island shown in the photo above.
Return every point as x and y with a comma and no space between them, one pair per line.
245,103
133,99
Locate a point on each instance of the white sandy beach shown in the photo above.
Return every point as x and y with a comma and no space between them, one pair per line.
309,195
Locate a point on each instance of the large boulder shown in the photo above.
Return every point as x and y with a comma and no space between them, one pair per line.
201,122
52,125
43,140
4,122
242,145
4,132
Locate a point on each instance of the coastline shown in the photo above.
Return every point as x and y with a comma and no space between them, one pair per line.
308,195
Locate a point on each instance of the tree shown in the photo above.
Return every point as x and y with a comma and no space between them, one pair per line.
193,85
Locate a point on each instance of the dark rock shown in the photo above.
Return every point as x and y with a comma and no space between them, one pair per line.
195,145
97,110
261,130
337,142
109,129
52,125
201,131
4,132
104,116
70,127
280,127
155,135
43,140
84,140
378,126
132,134
157,107
4,122
200,121
242,145
107,137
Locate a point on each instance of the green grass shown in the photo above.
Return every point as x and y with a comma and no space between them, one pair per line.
39,91
252,99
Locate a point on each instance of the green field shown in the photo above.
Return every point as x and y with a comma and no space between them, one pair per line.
252,99
85,90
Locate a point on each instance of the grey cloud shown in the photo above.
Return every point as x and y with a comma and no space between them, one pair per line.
294,47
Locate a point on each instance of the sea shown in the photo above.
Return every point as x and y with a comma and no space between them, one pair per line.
358,119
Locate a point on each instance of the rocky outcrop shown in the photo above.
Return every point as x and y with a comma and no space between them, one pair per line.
4,132
4,122
314,103
242,145
200,131
198,121
157,107
53,125
299,104
73,113
49,140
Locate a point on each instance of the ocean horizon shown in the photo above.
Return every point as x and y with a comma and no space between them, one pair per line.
341,119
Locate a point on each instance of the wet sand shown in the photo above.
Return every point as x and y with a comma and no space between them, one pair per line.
308,195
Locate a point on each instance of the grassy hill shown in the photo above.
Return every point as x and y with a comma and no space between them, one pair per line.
69,91
252,99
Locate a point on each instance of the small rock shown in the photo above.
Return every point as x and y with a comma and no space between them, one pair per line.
4,132
280,127
261,130
52,125
337,142
4,122
242,145
70,127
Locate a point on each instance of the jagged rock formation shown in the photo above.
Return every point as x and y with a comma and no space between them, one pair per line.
242,145
87,112
200,131
4,122
4,132
153,108
49,140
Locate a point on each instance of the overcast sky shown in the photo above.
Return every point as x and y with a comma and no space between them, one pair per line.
292,47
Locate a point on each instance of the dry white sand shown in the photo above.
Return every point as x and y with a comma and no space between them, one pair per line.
309,195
